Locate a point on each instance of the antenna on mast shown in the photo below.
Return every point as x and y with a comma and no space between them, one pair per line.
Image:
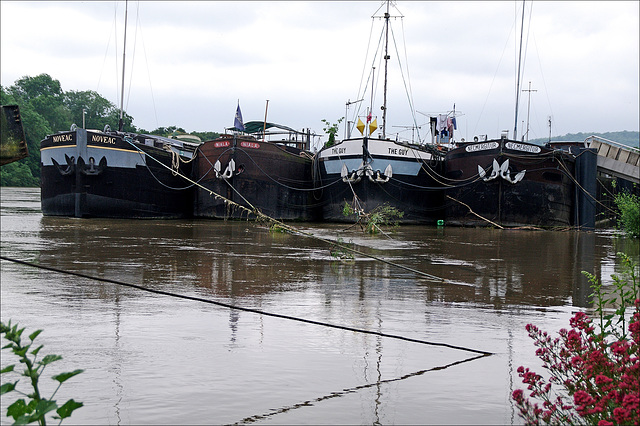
347,131
528,109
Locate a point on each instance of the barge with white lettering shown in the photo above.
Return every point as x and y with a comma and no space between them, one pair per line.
264,167
360,177
91,173
511,183
368,173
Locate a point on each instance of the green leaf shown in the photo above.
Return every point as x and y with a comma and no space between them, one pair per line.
35,334
69,407
17,409
43,407
21,352
7,369
62,377
8,387
24,420
36,350
49,359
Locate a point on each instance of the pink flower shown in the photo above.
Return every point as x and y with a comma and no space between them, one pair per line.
602,380
631,402
582,399
517,395
600,372
620,347
621,415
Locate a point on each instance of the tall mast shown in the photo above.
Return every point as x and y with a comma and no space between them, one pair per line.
386,59
515,126
528,110
124,51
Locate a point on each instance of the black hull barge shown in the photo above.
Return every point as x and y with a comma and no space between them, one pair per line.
240,173
89,173
517,184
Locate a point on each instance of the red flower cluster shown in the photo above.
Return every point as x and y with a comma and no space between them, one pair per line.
599,378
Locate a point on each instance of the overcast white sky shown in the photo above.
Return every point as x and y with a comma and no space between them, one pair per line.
188,63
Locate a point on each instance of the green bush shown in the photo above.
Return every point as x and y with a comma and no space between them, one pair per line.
35,407
629,219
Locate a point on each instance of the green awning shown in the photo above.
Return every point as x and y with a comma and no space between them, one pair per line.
258,127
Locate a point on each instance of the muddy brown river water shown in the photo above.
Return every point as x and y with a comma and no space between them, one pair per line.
151,358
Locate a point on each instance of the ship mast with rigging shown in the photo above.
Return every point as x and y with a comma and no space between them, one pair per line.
386,60
124,51
515,126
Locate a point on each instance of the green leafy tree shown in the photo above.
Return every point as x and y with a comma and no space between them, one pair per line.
45,108
167,131
331,130
17,174
98,111
45,96
206,136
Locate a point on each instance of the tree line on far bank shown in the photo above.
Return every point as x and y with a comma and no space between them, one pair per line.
46,109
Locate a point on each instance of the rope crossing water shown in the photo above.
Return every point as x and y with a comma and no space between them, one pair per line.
263,217
239,308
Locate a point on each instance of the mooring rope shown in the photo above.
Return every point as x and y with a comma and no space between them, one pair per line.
472,212
240,308
263,217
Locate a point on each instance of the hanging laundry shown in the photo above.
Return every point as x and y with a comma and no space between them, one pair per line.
442,122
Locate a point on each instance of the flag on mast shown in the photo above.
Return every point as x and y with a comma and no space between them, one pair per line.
238,124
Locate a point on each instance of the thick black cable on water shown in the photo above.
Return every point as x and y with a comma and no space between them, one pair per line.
347,391
255,311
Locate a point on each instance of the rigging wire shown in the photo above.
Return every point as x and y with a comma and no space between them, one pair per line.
404,81
133,57
495,74
146,59
106,53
